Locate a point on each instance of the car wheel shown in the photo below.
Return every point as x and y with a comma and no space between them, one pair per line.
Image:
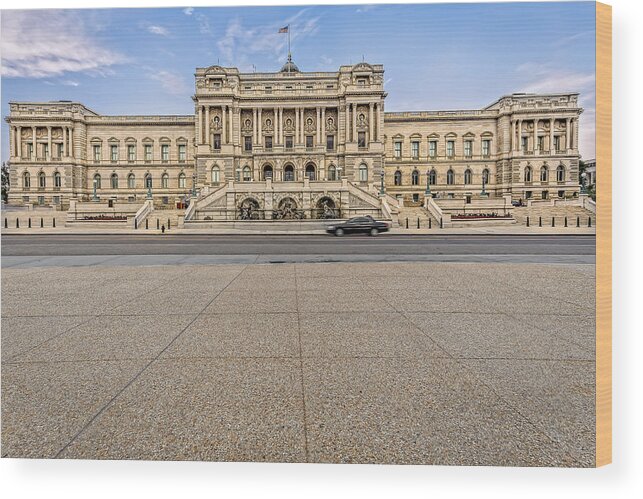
374,232
339,232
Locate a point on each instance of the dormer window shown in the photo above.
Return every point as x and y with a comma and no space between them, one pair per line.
361,81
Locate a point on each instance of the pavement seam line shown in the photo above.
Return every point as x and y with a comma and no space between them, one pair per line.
145,367
301,368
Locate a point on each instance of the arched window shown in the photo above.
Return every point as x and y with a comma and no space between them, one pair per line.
528,174
363,172
215,176
467,176
544,174
97,181
267,172
415,177
450,177
397,178
26,180
560,174
432,177
247,177
289,173
148,180
485,176
165,181
114,181
57,180
310,171
42,180
131,181
332,172
181,180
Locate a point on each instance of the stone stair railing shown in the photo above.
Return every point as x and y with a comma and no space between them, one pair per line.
142,213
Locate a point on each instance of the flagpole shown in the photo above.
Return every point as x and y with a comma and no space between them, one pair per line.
289,56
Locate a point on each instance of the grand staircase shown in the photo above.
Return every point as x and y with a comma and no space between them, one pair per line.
547,212
413,214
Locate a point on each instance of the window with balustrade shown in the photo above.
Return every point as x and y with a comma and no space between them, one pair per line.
165,153
486,147
131,153
450,148
113,153
468,148
415,149
433,148
397,148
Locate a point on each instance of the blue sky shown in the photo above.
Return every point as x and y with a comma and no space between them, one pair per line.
435,56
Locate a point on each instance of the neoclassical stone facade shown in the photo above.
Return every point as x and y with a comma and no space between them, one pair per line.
294,131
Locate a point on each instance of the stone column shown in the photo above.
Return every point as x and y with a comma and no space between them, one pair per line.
260,128
34,144
371,124
207,125
296,139
318,125
552,149
302,124
378,116
520,135
535,136
567,133
199,125
354,122
224,125
280,117
70,151
322,125
275,129
230,125
348,122
48,156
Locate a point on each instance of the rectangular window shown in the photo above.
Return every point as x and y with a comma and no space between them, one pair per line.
45,150
41,200
398,150
309,141
25,199
557,142
113,153
330,142
56,199
541,143
433,148
148,152
268,142
361,139
165,152
524,144
289,140
182,152
29,150
59,151
486,147
528,194
216,141
415,150
468,148
450,148
561,194
131,153
545,194
247,143
97,153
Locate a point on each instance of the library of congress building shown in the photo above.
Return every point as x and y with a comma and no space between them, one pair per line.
304,140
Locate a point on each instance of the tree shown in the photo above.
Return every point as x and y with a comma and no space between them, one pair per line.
5,182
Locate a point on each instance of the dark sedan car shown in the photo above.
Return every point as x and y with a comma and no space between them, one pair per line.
365,224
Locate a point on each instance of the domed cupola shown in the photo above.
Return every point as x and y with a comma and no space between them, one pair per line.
289,67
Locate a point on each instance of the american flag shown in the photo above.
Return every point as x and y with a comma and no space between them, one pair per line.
284,29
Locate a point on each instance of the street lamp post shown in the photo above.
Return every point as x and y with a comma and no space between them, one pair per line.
148,181
484,192
382,182
95,197
427,192
194,185
238,170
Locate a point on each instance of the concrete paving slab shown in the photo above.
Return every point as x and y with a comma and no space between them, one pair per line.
340,300
45,404
254,301
238,335
210,410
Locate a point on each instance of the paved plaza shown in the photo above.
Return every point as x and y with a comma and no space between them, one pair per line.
414,363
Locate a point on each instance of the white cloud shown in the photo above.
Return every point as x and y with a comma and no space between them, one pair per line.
365,8
188,11
44,43
204,24
171,82
242,45
70,83
158,30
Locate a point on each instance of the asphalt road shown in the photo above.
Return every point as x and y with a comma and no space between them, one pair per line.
72,250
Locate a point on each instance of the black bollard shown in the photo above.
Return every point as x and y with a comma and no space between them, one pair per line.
589,221
565,221
30,222
17,223
553,222
527,221
429,223
577,221
441,225
5,223
158,223
168,224
407,222
147,225
42,223
418,222
540,221
163,229
54,222
135,224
